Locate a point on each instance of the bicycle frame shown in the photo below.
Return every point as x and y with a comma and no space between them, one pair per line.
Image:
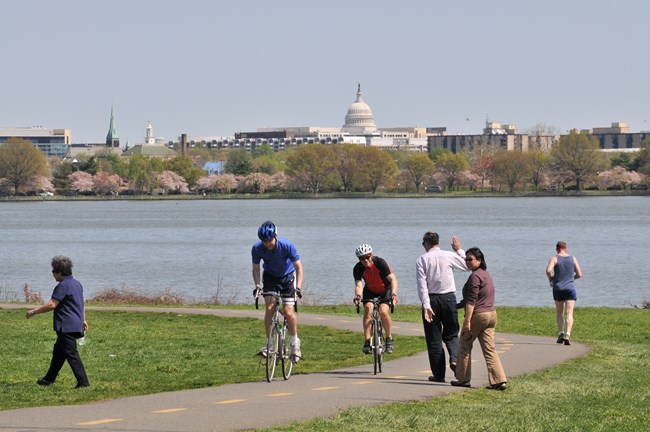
377,334
277,346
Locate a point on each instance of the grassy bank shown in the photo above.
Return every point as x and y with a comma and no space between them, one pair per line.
136,353
130,353
608,390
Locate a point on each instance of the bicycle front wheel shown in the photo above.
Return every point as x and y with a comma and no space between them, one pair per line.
380,345
285,349
272,347
377,348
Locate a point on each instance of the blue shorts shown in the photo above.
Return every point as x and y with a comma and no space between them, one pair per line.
564,295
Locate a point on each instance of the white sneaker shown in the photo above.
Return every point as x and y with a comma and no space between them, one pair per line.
295,351
262,351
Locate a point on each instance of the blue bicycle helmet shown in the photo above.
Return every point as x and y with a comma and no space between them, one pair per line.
267,231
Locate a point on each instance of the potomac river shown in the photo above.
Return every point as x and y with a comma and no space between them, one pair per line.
201,248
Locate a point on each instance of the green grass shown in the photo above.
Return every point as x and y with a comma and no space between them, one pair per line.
129,353
607,390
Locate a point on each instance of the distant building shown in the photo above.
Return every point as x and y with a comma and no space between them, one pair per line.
494,134
359,128
359,119
618,138
151,147
112,139
52,142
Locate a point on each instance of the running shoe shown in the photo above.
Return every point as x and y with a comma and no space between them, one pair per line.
389,345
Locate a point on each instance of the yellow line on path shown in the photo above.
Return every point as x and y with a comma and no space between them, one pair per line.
319,319
398,376
324,388
362,382
231,401
279,394
170,410
97,422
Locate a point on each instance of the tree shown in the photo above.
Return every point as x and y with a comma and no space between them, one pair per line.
538,164
420,167
256,183
105,183
510,167
184,167
226,183
262,150
347,161
643,158
265,164
21,162
40,184
208,183
481,169
313,165
377,167
450,167
239,162
141,172
435,152
82,182
169,181
61,172
577,157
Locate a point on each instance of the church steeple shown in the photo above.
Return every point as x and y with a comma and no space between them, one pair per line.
112,140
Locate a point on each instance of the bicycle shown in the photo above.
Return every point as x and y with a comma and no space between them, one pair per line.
278,342
377,334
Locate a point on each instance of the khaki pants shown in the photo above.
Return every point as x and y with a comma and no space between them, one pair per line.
482,325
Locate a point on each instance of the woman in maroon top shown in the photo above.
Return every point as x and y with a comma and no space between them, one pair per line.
480,321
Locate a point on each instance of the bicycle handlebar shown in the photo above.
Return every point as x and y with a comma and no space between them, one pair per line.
295,305
376,301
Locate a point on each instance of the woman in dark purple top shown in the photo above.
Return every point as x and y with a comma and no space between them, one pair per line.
69,322
480,322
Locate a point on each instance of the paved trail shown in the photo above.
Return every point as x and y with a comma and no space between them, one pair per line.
255,405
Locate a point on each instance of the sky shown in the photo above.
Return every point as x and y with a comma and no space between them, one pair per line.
206,68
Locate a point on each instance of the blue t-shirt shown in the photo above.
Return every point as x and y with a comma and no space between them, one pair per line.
69,314
279,261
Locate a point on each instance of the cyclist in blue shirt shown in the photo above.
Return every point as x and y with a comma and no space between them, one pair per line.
282,273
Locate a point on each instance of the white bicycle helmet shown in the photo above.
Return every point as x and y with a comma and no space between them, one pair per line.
363,249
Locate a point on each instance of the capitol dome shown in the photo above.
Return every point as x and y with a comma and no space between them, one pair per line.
359,118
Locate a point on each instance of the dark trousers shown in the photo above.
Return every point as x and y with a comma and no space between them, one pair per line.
65,348
443,328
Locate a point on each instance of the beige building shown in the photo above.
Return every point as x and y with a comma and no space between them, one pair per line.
618,138
494,134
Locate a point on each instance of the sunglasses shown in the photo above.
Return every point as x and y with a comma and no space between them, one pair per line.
470,259
365,258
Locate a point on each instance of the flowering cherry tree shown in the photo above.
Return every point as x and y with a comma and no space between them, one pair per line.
172,182
208,183
40,184
226,183
255,183
81,181
105,183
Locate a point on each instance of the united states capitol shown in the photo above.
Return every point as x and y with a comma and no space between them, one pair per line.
359,128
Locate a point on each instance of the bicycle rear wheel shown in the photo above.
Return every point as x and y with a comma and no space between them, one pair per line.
285,350
272,352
